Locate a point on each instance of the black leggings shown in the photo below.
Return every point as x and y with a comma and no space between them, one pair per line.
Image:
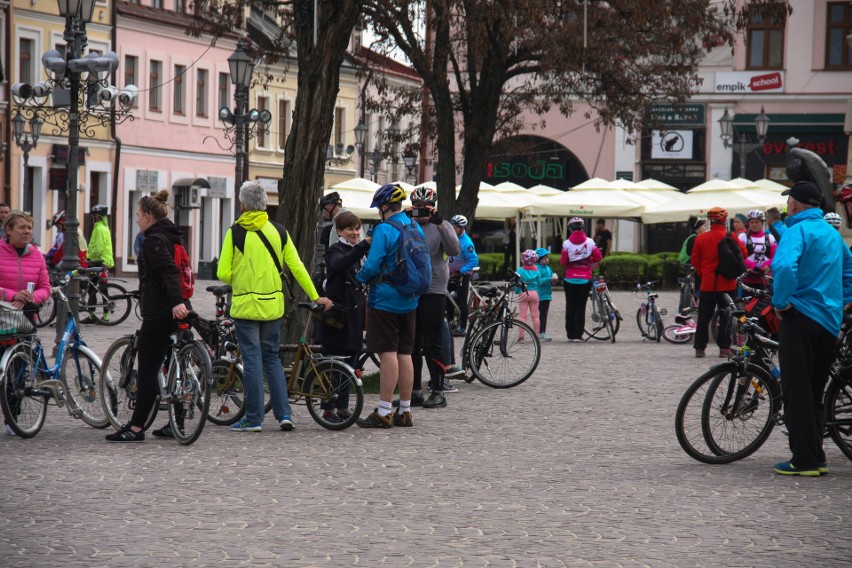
576,296
152,345
543,308
427,341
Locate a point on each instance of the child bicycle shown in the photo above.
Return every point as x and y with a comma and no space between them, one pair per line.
649,317
184,383
27,382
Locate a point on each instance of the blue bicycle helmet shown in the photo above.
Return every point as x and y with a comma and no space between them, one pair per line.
390,193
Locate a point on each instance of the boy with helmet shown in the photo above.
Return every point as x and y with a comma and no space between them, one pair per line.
579,257
462,265
760,247
99,254
390,315
705,259
442,242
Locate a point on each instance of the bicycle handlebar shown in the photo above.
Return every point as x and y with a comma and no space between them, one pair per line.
755,291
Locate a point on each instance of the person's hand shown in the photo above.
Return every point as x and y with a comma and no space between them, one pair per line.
180,312
23,296
765,269
554,277
18,305
369,239
325,302
780,312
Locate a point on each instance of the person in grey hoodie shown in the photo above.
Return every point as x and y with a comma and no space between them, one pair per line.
442,242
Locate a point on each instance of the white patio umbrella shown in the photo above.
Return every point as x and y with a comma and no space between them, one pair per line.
713,185
697,203
655,185
356,184
545,190
357,194
770,185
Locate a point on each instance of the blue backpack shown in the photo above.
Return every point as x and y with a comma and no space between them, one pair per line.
412,272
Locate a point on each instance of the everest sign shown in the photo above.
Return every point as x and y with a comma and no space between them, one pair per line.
750,82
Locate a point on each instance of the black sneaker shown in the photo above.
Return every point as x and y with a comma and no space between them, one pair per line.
435,400
376,421
403,420
416,400
164,432
126,435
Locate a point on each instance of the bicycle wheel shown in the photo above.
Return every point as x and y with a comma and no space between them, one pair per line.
687,299
118,384
80,373
23,404
504,354
332,387
46,312
710,433
597,324
112,305
657,324
610,317
641,321
227,393
838,410
671,335
190,392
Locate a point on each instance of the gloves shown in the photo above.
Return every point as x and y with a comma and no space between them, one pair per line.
436,218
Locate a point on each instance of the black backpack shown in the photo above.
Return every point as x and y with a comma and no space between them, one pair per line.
731,263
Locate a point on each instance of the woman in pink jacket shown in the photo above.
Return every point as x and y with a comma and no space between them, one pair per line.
579,257
20,264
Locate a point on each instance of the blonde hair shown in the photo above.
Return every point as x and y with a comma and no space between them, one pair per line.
14,215
156,205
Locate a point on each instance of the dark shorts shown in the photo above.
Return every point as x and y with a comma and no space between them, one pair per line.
388,332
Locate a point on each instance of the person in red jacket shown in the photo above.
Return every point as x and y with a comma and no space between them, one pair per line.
705,259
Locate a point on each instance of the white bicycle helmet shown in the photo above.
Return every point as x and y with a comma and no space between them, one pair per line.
576,224
756,214
833,219
459,221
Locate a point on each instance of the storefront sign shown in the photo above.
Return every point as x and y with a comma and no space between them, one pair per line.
671,144
146,180
677,115
750,82
218,187
539,170
60,154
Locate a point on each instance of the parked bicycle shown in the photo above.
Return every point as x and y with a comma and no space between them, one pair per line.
474,303
184,383
111,304
649,316
604,319
27,382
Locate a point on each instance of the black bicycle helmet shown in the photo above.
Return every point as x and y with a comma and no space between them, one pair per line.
390,193
332,198
99,209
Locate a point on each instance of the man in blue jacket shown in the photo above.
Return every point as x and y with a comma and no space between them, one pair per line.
813,282
390,314
462,265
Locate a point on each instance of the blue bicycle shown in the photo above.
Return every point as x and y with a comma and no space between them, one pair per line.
27,382
649,317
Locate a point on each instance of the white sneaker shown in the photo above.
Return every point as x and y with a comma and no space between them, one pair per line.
9,431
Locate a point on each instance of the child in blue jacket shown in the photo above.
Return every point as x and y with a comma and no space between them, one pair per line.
546,278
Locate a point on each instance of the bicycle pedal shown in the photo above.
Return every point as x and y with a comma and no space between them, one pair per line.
55,388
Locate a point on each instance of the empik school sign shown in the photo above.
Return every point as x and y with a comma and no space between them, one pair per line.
749,82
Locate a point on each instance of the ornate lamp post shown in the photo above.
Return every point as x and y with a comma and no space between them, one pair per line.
241,122
27,141
393,136
76,105
742,147
410,161
360,136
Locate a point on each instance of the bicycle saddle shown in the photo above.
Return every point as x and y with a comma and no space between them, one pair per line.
219,290
489,291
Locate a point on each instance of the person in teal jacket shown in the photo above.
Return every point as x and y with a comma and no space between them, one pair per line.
813,282
546,278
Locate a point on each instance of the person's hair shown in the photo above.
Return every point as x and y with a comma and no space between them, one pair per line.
4,205
156,205
14,215
253,196
345,220
394,207
601,222
773,212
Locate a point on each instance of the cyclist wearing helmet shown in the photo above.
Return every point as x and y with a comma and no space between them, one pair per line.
528,300
330,206
57,250
833,219
579,257
545,290
705,259
760,246
462,265
99,254
442,242
390,315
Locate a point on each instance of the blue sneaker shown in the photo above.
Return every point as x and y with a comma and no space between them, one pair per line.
286,423
787,468
245,426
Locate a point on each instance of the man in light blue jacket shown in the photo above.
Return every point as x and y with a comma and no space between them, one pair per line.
813,282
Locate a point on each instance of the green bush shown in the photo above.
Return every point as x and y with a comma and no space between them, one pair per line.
491,266
624,268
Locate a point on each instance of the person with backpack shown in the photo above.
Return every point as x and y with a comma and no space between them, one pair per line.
760,247
442,243
697,225
251,260
712,259
391,308
161,304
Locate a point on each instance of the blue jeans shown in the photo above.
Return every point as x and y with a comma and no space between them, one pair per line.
259,342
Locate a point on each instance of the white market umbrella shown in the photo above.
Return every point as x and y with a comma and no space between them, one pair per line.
545,190
713,185
698,203
611,203
594,183
654,185
770,185
356,184
744,183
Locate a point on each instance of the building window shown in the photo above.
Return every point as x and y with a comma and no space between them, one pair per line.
765,40
180,6
180,89
157,4
130,63
224,90
338,128
156,87
838,53
25,60
262,142
283,121
201,93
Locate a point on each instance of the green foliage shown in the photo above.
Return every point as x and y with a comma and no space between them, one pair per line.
625,268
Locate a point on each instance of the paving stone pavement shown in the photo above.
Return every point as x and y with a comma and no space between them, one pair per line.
579,466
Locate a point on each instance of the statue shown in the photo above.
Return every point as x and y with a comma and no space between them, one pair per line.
804,165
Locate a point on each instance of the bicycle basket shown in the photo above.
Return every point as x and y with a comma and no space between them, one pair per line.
13,320
761,307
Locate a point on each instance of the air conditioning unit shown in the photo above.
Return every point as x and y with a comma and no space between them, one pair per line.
189,197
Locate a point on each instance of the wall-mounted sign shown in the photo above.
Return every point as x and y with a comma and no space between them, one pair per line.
58,179
749,82
218,187
677,115
671,144
146,180
540,170
60,154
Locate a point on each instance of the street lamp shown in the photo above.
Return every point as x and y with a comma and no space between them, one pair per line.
360,136
410,161
75,106
742,147
393,136
27,141
241,122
